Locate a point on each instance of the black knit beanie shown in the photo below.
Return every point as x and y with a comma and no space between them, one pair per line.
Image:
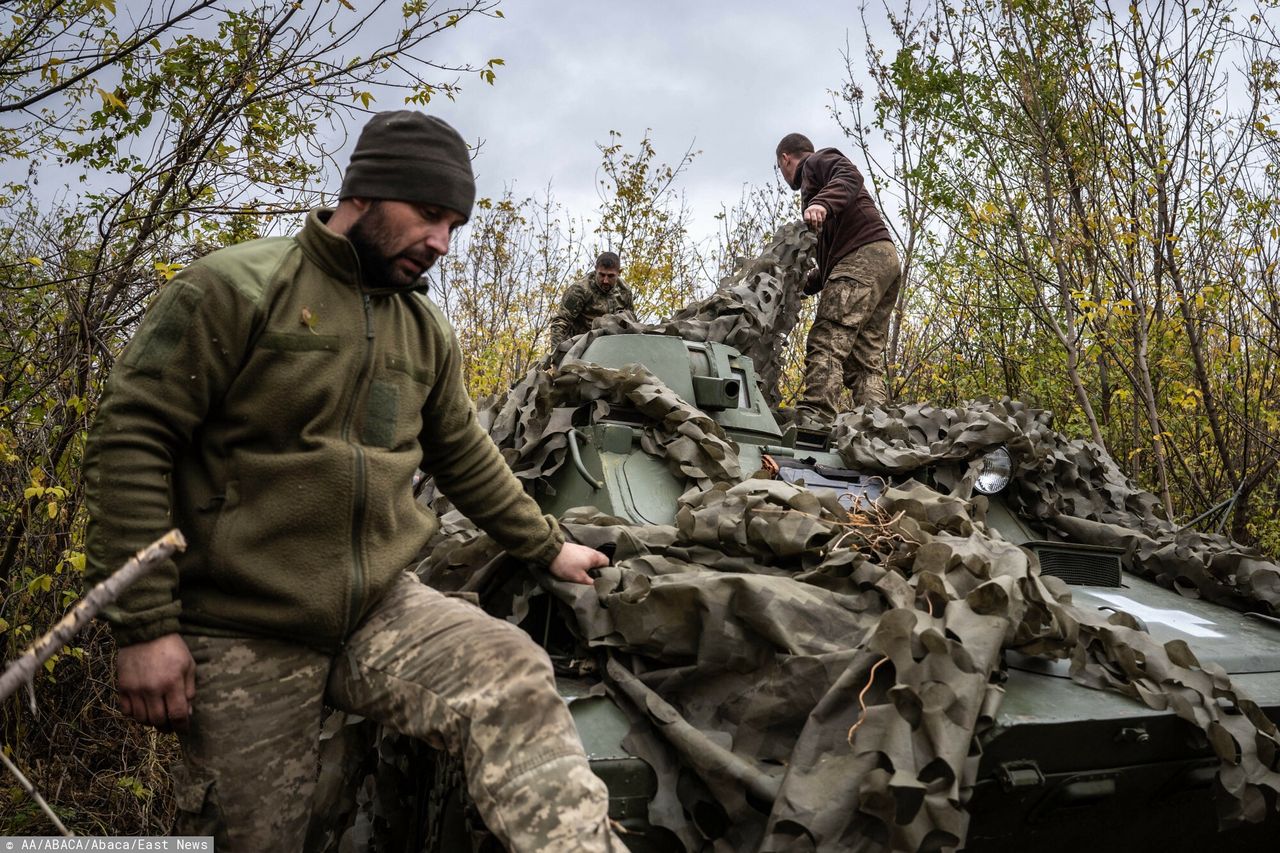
408,156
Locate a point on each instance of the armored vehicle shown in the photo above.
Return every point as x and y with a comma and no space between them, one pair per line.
1061,766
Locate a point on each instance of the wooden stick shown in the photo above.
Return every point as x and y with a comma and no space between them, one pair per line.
23,669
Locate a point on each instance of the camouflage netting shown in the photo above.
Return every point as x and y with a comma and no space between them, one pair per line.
532,428
753,712
805,678
1071,486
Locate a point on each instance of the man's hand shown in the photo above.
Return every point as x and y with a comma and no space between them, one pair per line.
157,681
814,216
572,562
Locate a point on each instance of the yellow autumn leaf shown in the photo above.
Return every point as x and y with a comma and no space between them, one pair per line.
49,71
35,262
109,99
52,509
167,271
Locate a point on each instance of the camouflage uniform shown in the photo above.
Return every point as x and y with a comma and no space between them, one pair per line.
584,303
849,331
426,665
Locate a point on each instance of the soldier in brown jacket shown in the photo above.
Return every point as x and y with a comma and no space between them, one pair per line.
858,276
274,405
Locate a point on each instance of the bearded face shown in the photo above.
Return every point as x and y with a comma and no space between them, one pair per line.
389,257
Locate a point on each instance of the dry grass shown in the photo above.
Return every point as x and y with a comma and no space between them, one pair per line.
101,773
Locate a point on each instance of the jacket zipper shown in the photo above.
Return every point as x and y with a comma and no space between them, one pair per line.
358,508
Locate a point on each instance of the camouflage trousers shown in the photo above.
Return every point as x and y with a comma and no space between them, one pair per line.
423,664
849,332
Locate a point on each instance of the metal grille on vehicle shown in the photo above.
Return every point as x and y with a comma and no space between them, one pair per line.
1079,565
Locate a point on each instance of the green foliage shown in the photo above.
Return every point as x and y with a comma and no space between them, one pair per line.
1091,221
647,224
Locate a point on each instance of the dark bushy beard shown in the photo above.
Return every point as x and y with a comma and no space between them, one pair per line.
370,238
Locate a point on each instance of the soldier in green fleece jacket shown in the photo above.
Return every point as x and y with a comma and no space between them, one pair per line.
274,406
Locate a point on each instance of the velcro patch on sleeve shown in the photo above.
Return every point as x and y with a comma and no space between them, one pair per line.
164,328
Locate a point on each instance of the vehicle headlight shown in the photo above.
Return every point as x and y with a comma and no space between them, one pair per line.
997,469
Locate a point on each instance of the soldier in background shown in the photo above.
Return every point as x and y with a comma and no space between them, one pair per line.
591,297
274,405
858,275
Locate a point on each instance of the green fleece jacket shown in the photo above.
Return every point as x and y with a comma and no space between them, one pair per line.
274,408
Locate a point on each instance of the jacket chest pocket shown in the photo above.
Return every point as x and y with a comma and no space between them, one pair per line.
393,413
292,386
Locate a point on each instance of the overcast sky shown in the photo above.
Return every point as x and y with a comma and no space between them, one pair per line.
728,78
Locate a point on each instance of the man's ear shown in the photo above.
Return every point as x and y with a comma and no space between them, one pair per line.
348,212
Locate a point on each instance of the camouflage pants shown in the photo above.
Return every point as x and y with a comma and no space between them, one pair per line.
849,333
423,664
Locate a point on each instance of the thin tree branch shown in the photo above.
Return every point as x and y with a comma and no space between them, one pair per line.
108,59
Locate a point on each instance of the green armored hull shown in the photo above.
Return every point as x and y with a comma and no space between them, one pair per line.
1063,766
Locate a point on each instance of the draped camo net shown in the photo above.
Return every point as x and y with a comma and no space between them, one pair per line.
802,677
